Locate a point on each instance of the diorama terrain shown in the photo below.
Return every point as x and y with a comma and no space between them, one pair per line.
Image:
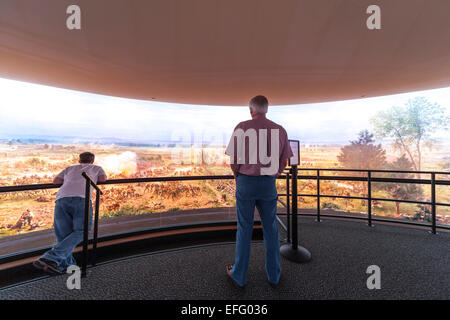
28,211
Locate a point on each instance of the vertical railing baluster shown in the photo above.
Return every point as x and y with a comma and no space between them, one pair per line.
86,228
433,203
97,208
288,207
369,197
318,195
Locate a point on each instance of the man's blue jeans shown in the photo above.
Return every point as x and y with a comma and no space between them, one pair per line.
69,225
259,192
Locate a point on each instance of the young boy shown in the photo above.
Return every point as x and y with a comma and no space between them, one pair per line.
69,214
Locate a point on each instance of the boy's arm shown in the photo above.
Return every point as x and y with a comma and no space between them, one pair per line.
101,176
59,179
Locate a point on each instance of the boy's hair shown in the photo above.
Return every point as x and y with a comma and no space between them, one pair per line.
87,157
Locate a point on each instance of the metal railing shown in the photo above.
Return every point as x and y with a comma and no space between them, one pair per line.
87,208
370,180
291,197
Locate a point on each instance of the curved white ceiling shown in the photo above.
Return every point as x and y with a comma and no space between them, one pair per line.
223,52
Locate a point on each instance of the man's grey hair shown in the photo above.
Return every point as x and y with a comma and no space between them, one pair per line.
259,104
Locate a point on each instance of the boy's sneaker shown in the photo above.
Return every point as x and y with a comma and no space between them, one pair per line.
47,266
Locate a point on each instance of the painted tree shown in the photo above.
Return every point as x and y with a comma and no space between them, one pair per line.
411,127
403,191
362,153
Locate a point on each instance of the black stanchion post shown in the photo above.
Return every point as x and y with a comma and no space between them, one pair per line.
86,228
294,208
293,251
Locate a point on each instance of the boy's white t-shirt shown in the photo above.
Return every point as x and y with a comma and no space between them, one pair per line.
74,184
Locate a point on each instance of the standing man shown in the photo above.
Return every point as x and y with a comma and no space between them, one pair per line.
259,150
69,214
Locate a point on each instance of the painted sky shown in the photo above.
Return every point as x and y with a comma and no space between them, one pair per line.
28,110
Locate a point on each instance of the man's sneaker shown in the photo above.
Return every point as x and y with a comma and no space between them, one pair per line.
274,285
47,266
228,269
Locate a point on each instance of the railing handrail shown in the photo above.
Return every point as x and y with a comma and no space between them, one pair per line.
44,186
374,170
387,180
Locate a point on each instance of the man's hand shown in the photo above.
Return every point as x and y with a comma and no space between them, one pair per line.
101,178
235,169
283,164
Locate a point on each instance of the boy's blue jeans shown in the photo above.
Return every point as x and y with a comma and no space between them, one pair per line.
259,192
69,225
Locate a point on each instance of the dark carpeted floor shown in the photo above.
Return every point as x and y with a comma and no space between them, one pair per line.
414,265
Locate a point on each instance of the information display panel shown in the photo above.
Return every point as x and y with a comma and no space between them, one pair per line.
295,146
